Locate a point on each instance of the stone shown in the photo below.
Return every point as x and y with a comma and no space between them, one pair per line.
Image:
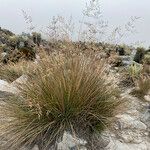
69,142
146,118
129,136
4,95
3,54
147,98
20,80
134,113
35,147
126,121
117,145
5,86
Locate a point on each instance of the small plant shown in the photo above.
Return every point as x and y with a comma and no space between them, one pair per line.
131,74
134,70
65,94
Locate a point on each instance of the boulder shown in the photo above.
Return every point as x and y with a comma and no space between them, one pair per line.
5,86
126,122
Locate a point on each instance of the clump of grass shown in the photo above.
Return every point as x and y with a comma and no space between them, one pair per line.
131,74
12,71
65,94
143,88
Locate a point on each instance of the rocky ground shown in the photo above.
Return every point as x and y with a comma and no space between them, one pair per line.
130,131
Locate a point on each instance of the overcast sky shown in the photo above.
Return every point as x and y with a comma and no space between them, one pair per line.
116,12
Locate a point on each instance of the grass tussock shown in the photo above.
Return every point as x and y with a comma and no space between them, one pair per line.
131,74
12,71
143,88
65,94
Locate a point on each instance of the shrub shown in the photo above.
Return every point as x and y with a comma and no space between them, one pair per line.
121,51
134,70
139,55
65,94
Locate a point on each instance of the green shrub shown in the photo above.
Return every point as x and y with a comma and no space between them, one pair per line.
139,55
134,70
65,94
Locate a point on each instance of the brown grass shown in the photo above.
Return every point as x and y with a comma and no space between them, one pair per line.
143,88
12,71
64,94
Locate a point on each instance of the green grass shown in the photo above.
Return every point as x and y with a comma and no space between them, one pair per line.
65,94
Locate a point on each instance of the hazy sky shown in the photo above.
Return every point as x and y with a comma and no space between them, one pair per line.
116,12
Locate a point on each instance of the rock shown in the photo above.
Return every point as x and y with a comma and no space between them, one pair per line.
117,145
126,60
69,142
146,118
5,86
147,98
130,129
35,147
4,94
20,80
134,113
3,54
37,59
128,136
126,121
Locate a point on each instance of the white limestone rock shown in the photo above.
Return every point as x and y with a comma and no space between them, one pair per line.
69,141
5,86
126,121
117,145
